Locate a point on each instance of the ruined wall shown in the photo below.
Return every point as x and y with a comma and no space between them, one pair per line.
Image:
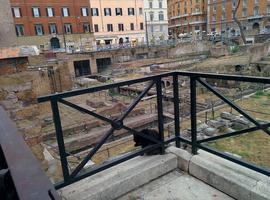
188,48
258,51
11,66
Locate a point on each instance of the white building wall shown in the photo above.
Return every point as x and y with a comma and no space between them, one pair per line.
157,29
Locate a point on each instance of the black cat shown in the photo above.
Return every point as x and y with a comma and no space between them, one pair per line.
143,142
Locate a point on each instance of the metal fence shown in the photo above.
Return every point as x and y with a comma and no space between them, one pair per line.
117,124
20,174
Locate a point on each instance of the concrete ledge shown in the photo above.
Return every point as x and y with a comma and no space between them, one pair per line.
237,181
183,157
118,180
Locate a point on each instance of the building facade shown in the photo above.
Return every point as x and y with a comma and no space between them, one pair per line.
254,16
52,24
118,21
186,16
7,31
156,19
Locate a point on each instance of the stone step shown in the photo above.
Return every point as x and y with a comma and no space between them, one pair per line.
176,185
121,179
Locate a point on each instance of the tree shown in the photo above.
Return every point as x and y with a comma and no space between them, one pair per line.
238,22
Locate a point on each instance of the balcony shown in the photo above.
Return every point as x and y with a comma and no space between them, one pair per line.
72,177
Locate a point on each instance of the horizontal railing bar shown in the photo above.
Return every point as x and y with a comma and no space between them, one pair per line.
251,79
100,88
107,165
148,78
185,140
235,160
228,135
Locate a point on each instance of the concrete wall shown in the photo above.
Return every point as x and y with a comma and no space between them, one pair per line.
7,30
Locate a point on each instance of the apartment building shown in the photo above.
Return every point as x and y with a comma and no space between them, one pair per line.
118,21
254,16
156,19
186,16
51,24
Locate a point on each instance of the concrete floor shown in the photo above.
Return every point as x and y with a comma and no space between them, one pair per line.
176,185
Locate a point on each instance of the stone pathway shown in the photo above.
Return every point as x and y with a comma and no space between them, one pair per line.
176,185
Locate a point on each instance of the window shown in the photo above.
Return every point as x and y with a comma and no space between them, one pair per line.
140,11
152,28
68,28
36,12
150,4
65,12
50,12
160,16
141,26
120,27
52,28
107,12
161,28
118,12
96,28
132,26
130,11
244,12
39,29
95,12
16,12
110,27
86,28
84,12
151,16
160,4
256,11
19,30
268,9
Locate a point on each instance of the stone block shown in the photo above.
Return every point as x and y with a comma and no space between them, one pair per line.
183,157
233,179
28,112
121,179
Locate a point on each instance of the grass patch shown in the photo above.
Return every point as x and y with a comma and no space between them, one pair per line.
252,147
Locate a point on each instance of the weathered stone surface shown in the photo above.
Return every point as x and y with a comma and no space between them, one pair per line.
95,103
121,178
238,126
183,157
26,113
18,88
235,180
227,115
217,123
27,96
11,96
241,120
3,94
10,104
210,131
201,127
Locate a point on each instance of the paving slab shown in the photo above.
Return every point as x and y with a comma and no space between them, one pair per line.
176,185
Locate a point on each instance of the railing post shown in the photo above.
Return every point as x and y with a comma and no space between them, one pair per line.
60,139
176,110
193,116
160,113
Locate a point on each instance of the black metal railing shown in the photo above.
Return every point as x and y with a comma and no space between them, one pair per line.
117,124
21,177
